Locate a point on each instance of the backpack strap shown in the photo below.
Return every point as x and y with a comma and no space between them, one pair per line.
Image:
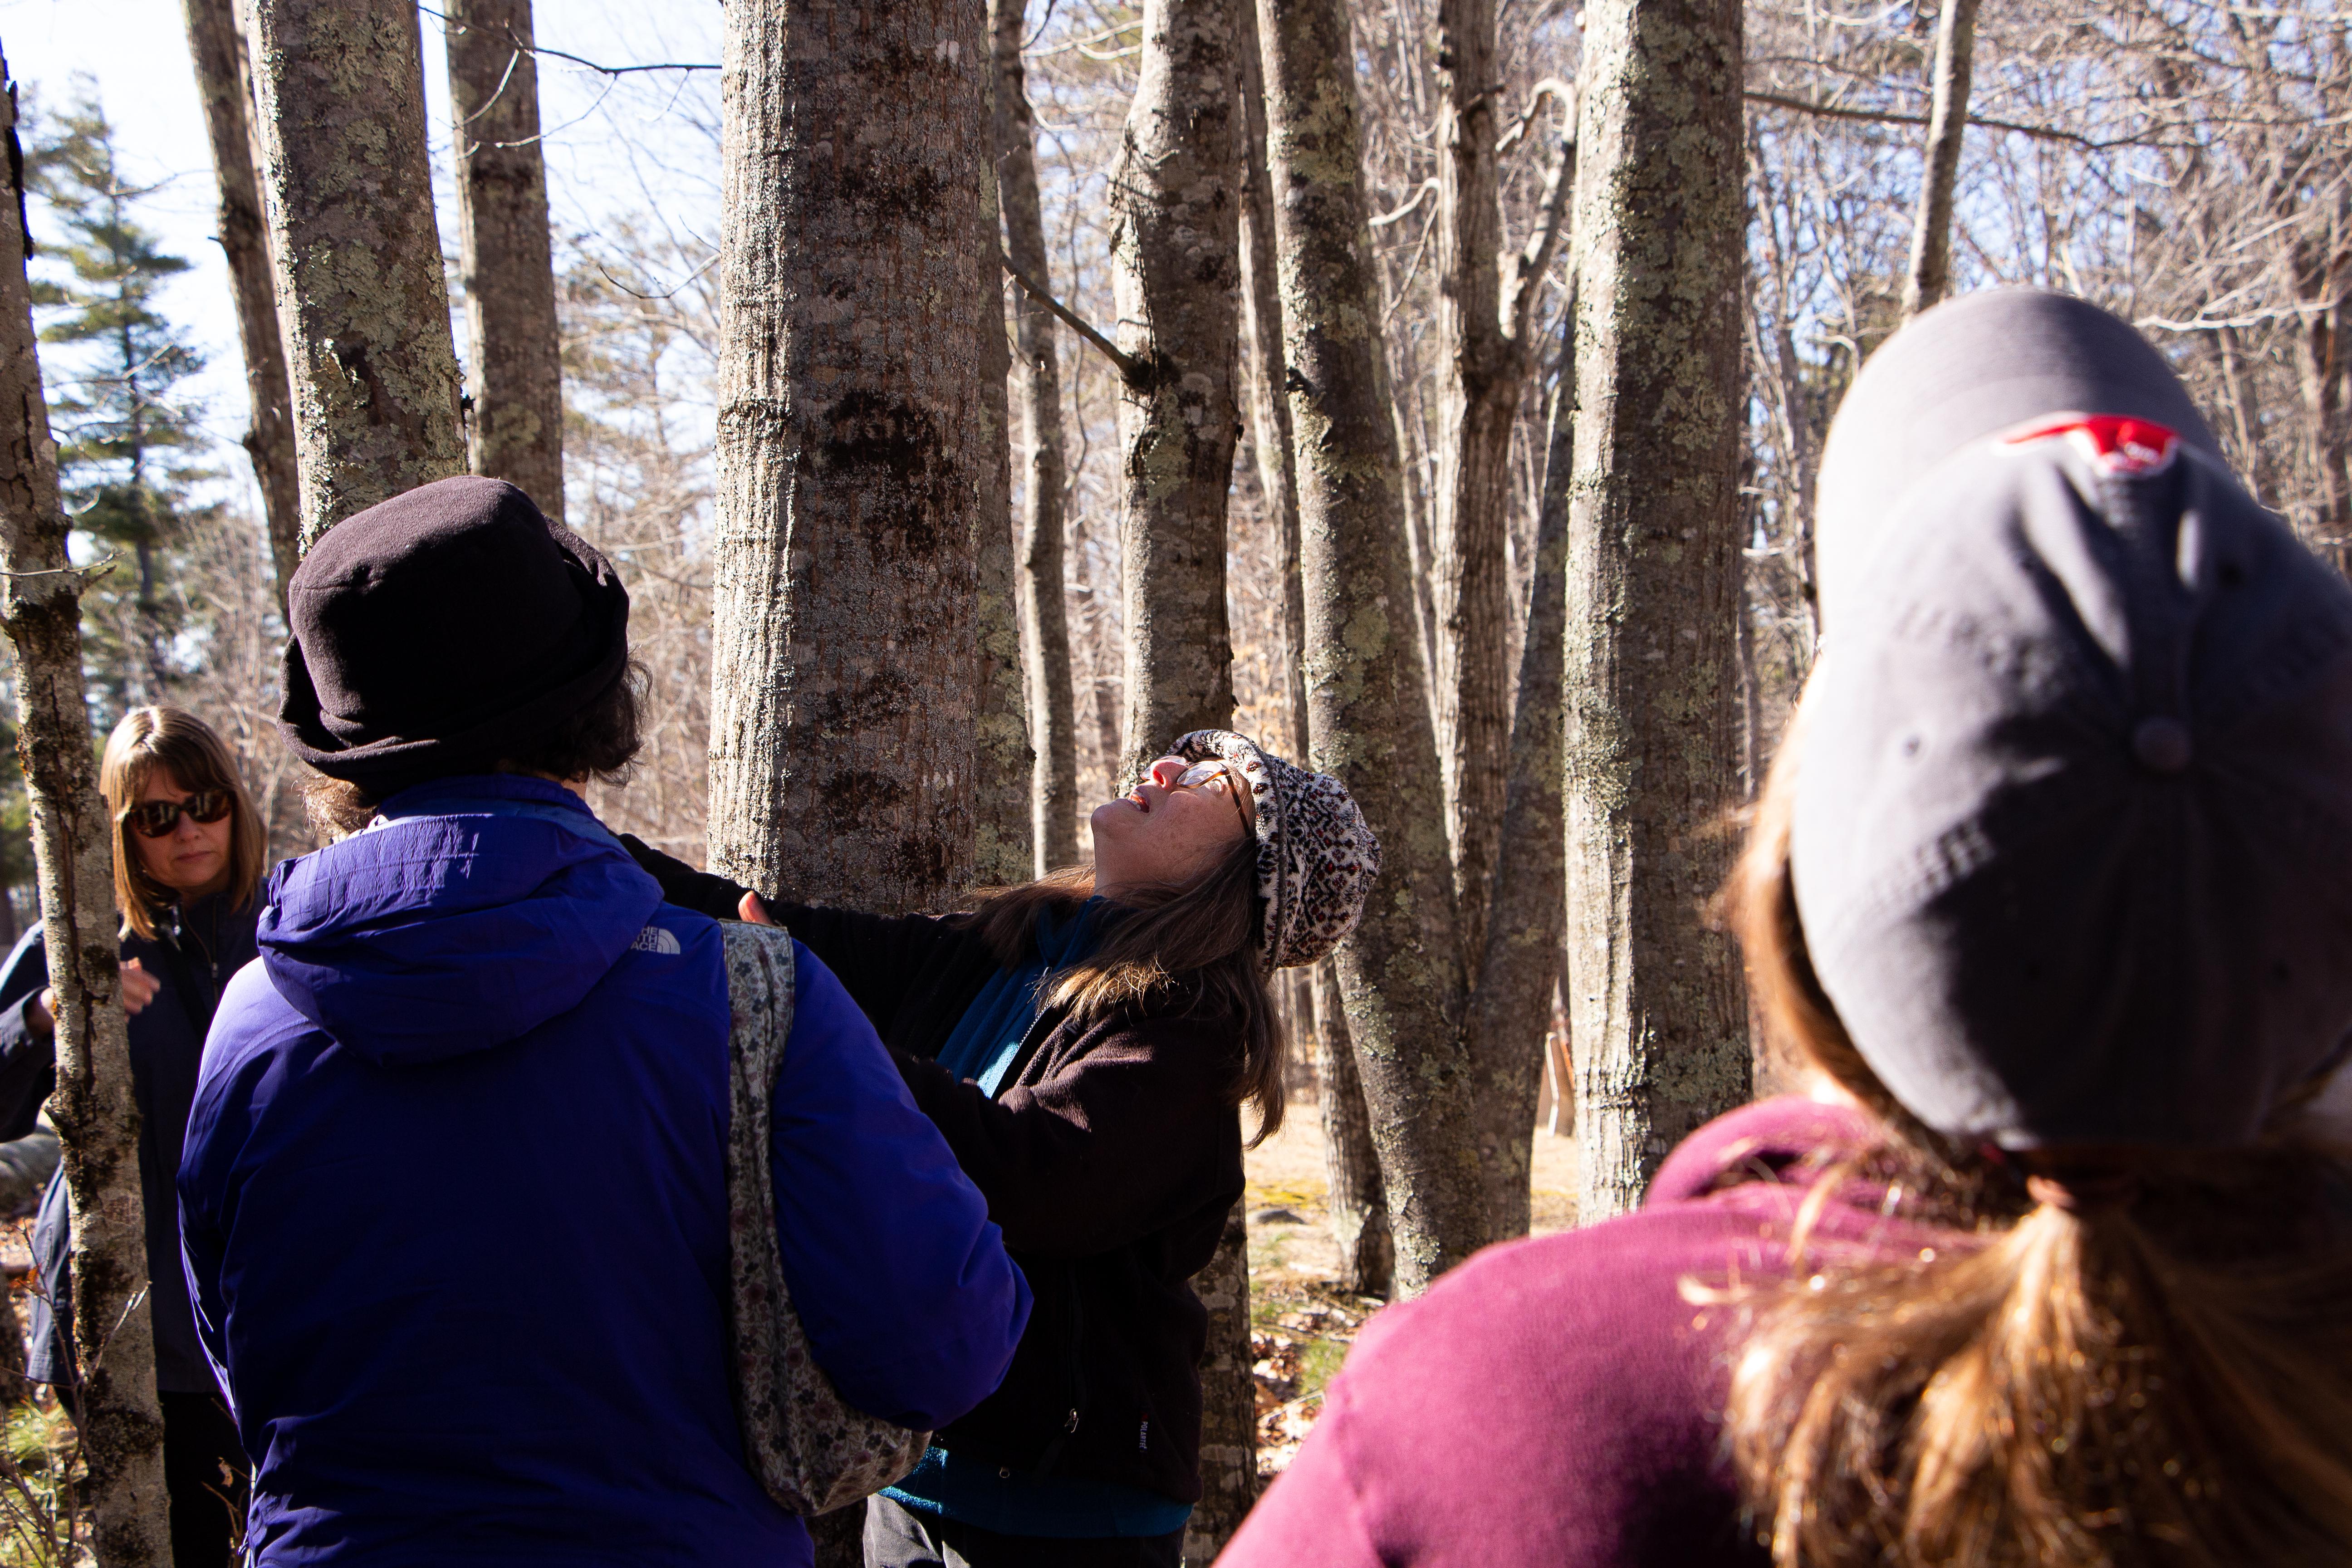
810,1449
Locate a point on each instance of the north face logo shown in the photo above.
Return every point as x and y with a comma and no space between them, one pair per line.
653,939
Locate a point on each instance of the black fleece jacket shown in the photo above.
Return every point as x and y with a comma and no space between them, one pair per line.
1110,1159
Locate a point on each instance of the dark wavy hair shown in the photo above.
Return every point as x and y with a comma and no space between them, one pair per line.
1190,949
599,742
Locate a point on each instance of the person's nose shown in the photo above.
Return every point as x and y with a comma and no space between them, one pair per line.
187,830
1166,772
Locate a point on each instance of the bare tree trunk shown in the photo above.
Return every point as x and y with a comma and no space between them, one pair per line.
1930,275
1655,1001
225,82
1479,402
504,261
1175,262
1483,324
1228,1397
1045,622
1359,1204
1358,1211
93,1105
1175,267
361,303
1510,1005
1399,974
845,669
1004,850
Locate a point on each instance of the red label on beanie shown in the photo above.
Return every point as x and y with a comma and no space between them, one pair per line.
2117,442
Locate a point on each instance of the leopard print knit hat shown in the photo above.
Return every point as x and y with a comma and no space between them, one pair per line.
1316,857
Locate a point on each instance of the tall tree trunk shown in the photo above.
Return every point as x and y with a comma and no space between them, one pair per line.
516,380
1510,1006
73,851
845,669
1360,1217
225,82
1351,1166
1175,267
1929,278
1176,271
1399,974
1479,402
1228,1396
1655,1001
1045,621
1004,850
362,305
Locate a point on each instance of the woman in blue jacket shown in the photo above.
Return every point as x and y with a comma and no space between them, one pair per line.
188,849
453,1200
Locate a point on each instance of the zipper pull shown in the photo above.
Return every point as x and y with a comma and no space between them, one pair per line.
1072,1424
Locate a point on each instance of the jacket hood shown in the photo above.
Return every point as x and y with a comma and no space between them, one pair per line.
471,912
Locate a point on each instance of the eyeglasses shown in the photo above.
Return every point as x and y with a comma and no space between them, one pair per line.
154,818
1200,774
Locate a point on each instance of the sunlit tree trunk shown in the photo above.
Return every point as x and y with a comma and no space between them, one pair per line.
1003,823
362,307
1510,1005
1929,276
224,83
1175,268
504,260
1399,974
849,460
1037,379
1655,1002
1360,1219
94,1107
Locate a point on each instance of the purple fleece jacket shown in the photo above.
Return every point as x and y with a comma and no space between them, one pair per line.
1557,1401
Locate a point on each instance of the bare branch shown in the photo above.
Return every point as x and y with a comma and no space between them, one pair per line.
1129,367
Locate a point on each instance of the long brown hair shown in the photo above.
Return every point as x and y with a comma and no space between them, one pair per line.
172,740
2163,1376
1190,948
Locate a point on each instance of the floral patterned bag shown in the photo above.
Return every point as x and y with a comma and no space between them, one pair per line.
810,1449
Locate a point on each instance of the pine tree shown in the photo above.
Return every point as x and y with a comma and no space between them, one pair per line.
129,448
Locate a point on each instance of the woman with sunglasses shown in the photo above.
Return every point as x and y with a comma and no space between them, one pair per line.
1084,1042
188,851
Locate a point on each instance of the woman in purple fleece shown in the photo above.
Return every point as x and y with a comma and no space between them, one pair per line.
2048,889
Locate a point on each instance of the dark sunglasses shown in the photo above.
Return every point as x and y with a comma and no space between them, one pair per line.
154,818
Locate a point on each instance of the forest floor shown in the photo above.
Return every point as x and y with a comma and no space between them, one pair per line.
1301,1322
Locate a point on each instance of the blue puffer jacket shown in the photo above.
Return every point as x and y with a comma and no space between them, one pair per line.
454,1208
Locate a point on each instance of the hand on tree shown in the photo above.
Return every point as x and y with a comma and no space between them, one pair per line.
139,988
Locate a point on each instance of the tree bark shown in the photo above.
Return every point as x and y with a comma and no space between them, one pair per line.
1228,1396
1655,1001
96,1113
1929,276
848,475
1045,622
1004,850
1510,1006
1357,1203
504,260
1360,1217
1399,974
1479,402
225,82
362,307
1176,275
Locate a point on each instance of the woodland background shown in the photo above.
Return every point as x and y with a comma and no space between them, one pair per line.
2187,165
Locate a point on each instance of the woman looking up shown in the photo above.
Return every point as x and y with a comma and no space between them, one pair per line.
1084,1042
2048,889
188,849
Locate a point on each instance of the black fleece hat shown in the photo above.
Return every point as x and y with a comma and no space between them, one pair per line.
442,630
2072,835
